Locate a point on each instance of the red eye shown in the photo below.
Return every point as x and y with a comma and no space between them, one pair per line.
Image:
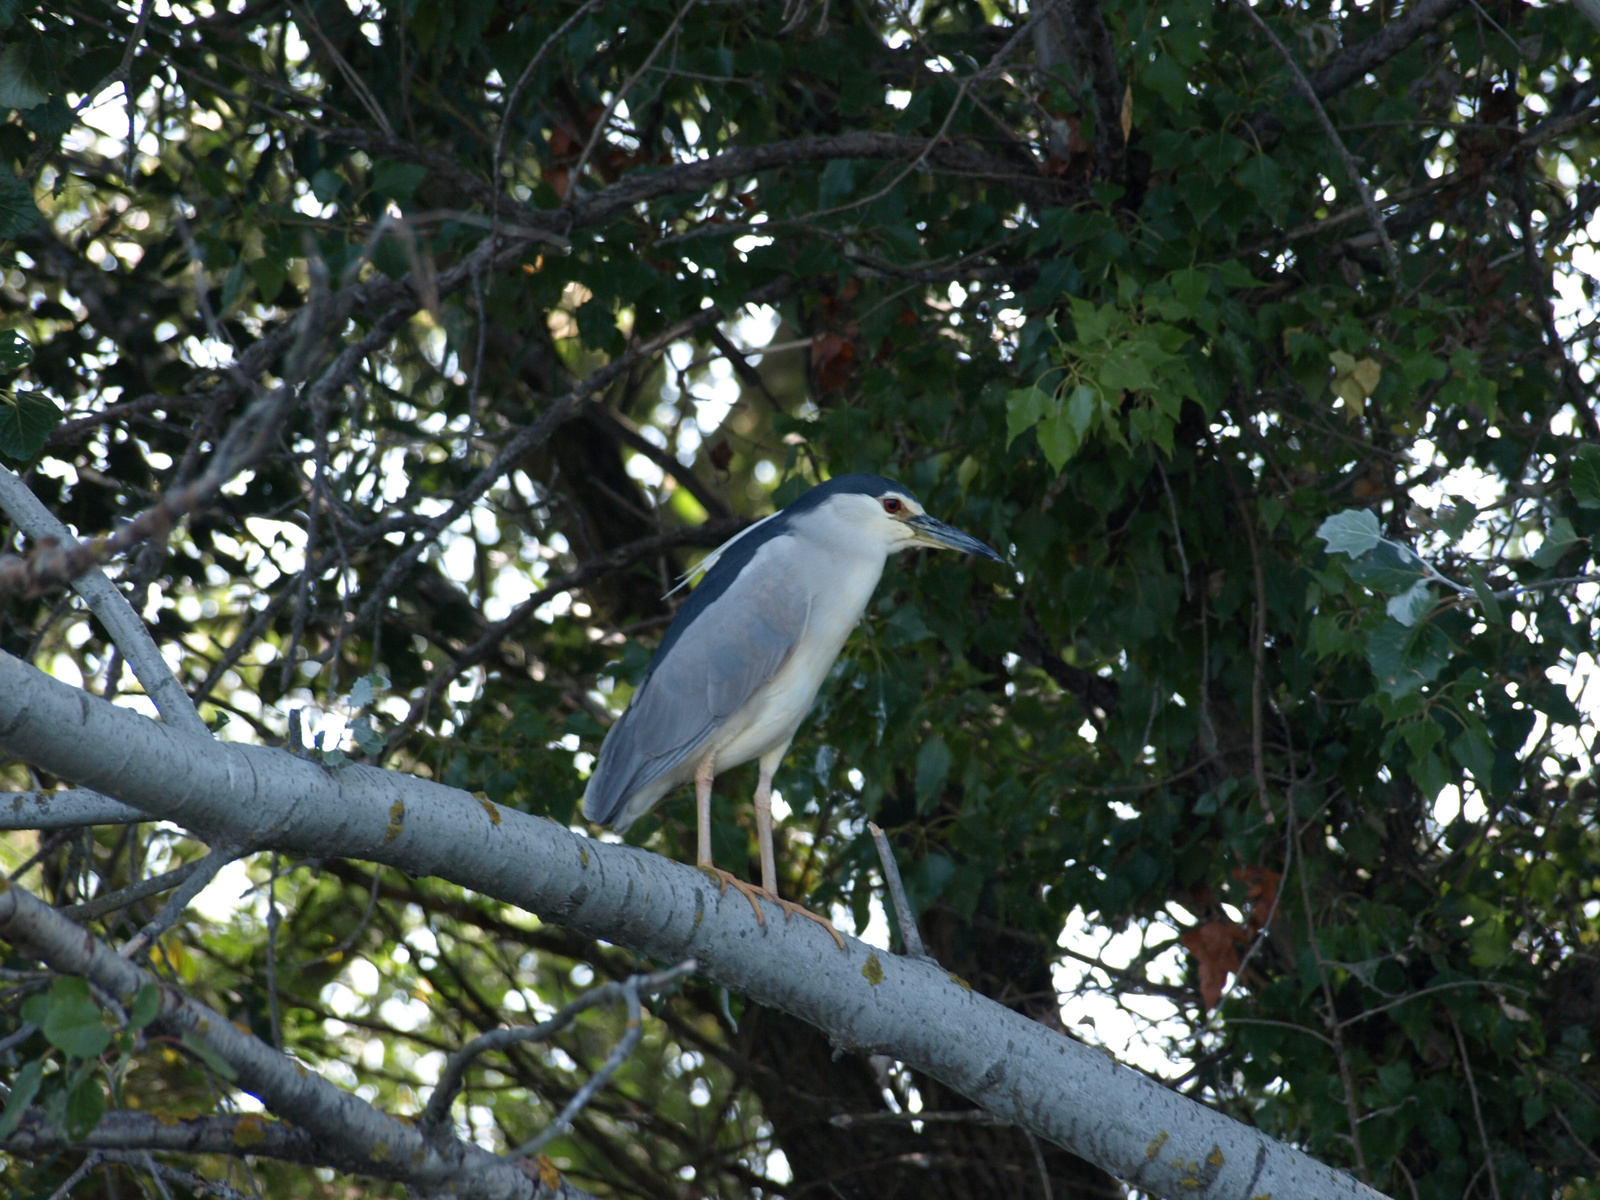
891,505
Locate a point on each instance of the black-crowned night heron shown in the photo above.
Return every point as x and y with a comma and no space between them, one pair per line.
741,663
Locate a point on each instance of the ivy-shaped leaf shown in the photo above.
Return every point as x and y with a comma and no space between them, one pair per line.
1558,539
69,1018
1353,531
26,421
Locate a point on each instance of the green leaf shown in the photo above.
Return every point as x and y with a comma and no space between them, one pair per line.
1190,286
1473,751
1558,539
146,1004
1411,605
1353,531
20,86
197,1046
18,212
1586,475
70,1019
933,765
326,185
838,181
1024,407
1388,567
1456,517
86,1104
24,1087
398,181
26,420
1485,594
1405,659
16,351
367,739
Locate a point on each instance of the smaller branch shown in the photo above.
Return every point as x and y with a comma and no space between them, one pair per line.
67,809
963,1116
536,432
580,1098
509,108
1477,1111
910,935
624,432
1537,278
1045,1191
204,872
1258,657
1567,581
435,1117
87,1165
741,365
575,185
195,1185
89,910
53,563
1374,217
127,630
1177,531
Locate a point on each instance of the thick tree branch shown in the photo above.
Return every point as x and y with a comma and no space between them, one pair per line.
121,1129
863,999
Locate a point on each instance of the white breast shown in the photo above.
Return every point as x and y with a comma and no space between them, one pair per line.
842,575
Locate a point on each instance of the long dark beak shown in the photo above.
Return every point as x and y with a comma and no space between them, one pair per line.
936,533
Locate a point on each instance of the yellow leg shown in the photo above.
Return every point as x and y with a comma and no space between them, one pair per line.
704,774
769,862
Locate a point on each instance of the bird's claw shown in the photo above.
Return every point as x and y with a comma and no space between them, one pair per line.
790,908
748,890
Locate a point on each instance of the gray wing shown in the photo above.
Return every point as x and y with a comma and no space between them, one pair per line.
737,643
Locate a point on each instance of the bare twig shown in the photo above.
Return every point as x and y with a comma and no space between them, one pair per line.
132,894
1045,1190
1352,1109
1539,281
107,603
1177,531
963,1116
1374,217
1258,655
71,1181
1477,1110
575,176
509,107
910,935
204,872
435,1117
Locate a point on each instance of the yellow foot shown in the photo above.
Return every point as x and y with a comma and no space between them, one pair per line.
790,908
748,890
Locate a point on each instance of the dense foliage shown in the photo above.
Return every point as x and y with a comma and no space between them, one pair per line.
1101,284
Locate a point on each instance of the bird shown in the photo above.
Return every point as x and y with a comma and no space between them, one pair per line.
740,664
